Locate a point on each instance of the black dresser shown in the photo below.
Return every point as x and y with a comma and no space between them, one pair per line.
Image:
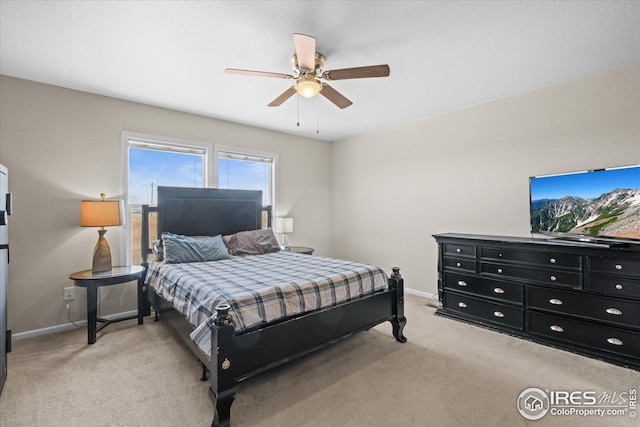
581,297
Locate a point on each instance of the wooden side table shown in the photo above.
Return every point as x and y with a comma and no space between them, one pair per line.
91,281
302,250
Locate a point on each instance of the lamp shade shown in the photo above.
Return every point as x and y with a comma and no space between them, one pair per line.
287,225
284,225
101,213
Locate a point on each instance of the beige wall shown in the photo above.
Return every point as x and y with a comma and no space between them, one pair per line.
467,170
62,146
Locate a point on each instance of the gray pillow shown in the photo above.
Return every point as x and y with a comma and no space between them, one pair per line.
179,248
254,242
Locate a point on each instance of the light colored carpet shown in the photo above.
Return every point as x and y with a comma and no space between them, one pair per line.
448,374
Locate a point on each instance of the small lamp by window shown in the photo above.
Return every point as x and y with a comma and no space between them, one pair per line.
284,226
101,213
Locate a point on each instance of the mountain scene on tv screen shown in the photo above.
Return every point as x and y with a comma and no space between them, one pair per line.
612,214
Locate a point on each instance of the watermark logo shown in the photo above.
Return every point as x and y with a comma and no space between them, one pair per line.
534,403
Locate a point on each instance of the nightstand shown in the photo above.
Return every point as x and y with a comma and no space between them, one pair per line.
91,281
302,250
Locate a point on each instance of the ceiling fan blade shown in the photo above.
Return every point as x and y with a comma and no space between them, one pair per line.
257,73
357,73
283,97
305,51
334,96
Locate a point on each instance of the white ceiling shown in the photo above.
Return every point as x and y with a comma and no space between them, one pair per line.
444,55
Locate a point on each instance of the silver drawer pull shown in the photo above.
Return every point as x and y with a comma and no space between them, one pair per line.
615,341
499,270
553,261
462,283
555,301
498,314
458,250
618,266
618,286
462,305
500,255
553,278
556,328
613,311
458,264
498,291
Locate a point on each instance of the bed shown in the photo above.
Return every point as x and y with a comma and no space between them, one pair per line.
229,347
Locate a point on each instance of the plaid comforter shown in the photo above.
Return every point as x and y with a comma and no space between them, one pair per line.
260,288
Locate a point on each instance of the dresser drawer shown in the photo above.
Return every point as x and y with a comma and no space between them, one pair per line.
621,312
465,264
459,250
585,334
537,275
614,266
614,286
490,288
538,258
485,310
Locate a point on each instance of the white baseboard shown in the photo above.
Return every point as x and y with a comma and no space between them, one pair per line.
421,293
64,327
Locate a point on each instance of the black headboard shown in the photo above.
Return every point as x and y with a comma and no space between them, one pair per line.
204,212
208,211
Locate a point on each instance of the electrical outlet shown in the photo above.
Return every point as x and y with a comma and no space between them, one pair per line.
68,293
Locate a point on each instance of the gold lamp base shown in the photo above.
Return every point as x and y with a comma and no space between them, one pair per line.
101,254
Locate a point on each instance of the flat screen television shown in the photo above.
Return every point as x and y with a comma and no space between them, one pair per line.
600,205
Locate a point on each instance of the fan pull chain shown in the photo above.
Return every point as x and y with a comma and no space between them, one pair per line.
317,118
298,110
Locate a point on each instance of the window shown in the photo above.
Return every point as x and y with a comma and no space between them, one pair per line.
245,170
150,162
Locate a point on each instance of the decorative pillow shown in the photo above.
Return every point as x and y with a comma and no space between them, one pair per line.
179,248
254,242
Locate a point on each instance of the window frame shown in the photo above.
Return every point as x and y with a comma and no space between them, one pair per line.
132,139
217,149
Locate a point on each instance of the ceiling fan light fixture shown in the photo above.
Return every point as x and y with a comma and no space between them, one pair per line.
308,87
310,76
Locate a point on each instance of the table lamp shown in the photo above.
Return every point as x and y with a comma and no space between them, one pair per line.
284,226
101,213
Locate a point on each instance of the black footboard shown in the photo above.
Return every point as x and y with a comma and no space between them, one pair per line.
238,357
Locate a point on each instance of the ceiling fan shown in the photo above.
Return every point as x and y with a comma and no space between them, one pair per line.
310,78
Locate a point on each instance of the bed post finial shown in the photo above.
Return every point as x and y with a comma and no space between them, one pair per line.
222,317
